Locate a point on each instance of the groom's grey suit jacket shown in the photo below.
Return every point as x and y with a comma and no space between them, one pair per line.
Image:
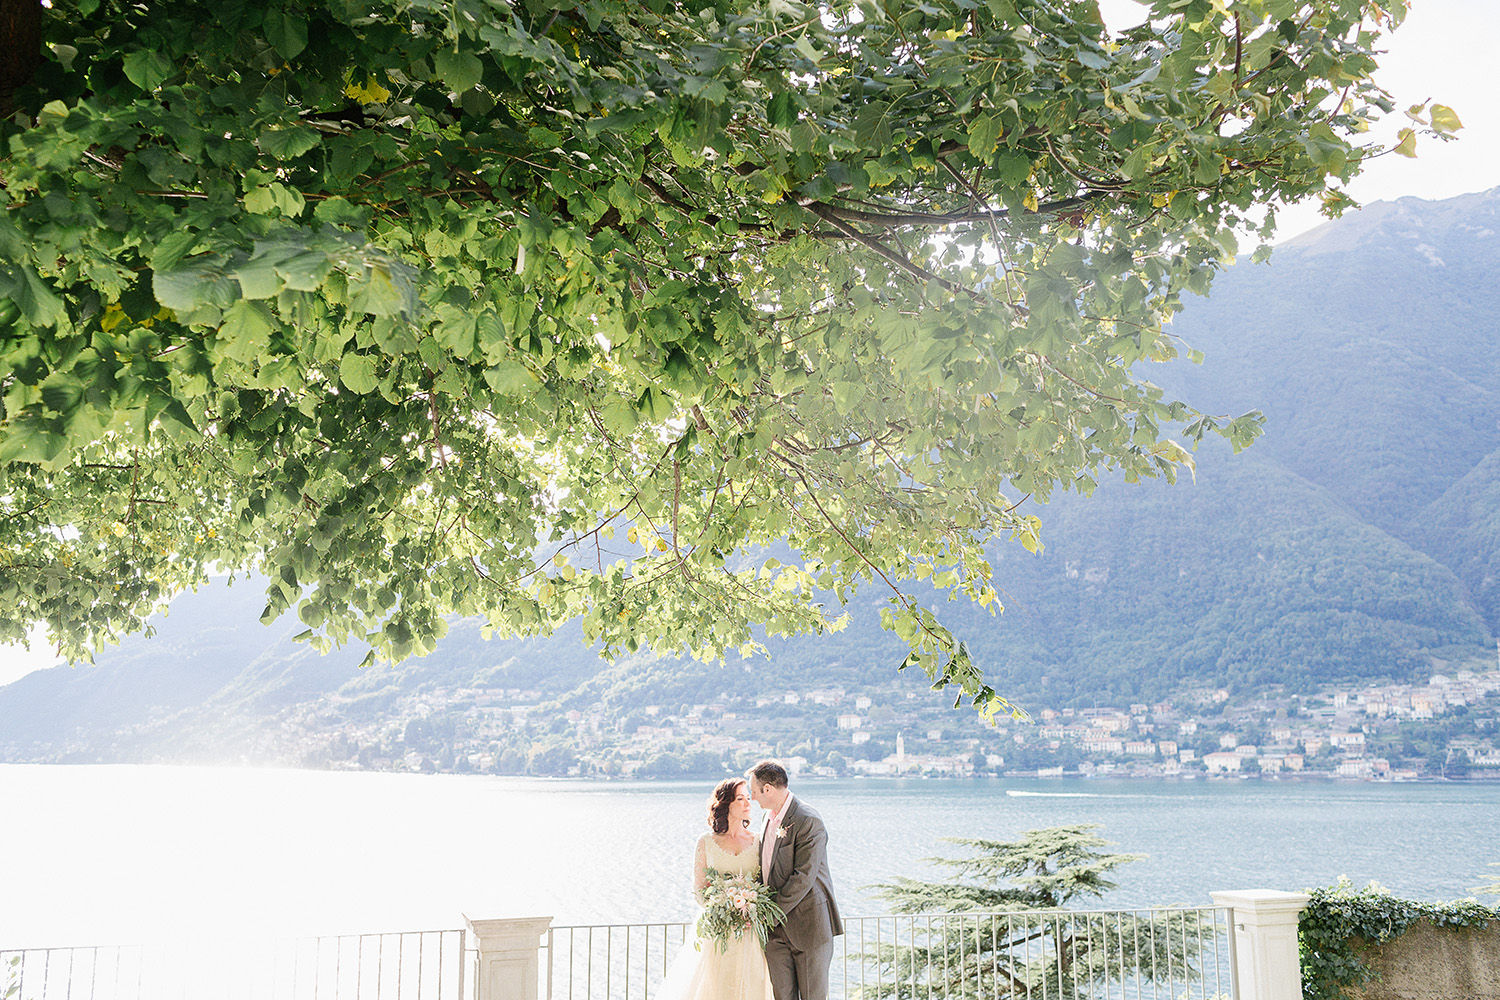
799,875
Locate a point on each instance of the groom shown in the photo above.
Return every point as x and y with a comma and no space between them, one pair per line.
794,863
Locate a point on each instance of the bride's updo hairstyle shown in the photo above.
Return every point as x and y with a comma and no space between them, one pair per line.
719,803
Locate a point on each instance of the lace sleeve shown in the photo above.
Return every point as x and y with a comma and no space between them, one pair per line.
700,869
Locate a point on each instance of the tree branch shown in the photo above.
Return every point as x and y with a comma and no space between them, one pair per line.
1092,182
20,48
813,496
893,219
36,506
823,212
687,209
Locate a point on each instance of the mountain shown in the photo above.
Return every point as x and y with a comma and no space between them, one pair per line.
212,676
1249,577
206,640
1461,529
1358,539
1370,343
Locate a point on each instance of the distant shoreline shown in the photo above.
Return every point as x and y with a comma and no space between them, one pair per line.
1491,776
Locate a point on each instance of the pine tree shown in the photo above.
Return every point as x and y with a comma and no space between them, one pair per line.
1002,929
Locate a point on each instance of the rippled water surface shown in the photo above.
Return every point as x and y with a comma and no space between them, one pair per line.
116,854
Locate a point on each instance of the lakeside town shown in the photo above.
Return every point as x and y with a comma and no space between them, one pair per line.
1445,728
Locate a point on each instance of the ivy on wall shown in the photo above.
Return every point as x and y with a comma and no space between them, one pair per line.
1339,915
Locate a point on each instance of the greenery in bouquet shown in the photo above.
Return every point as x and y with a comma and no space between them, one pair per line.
733,903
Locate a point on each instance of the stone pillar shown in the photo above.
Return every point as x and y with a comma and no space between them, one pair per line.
1265,940
508,956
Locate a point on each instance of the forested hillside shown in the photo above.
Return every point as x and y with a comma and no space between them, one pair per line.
1461,529
1371,346
1359,538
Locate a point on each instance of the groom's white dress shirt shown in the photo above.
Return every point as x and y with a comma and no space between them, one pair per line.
768,837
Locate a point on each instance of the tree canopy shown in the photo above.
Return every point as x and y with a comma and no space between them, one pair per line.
542,310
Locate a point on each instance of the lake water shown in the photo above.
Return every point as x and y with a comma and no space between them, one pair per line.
105,855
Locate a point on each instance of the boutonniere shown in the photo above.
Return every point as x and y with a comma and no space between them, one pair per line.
780,832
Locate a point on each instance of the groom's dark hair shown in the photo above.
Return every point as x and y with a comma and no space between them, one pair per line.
768,772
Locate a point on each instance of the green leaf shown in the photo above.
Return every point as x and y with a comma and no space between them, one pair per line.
459,70
781,110
186,288
619,416
286,32
288,143
1445,119
275,198
30,440
31,295
706,89
544,138
179,415
1408,144
845,177
357,373
382,290
245,332
305,271
1092,57
1138,163
872,124
820,188
61,393
984,135
64,54
511,378
339,211
1014,168
173,248
258,279
147,68
456,334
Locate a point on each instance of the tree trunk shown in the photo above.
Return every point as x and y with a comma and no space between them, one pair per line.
20,48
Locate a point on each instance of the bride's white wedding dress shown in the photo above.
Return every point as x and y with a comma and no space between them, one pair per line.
701,971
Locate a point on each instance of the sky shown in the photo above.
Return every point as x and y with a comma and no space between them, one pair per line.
1443,52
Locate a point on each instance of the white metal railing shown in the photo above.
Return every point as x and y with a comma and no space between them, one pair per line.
609,960
1174,953
1171,953
399,965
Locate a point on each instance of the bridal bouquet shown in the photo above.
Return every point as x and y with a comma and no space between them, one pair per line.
733,903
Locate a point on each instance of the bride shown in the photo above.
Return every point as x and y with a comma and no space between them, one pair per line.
701,971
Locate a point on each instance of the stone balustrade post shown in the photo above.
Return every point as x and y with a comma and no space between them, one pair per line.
1267,965
508,956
